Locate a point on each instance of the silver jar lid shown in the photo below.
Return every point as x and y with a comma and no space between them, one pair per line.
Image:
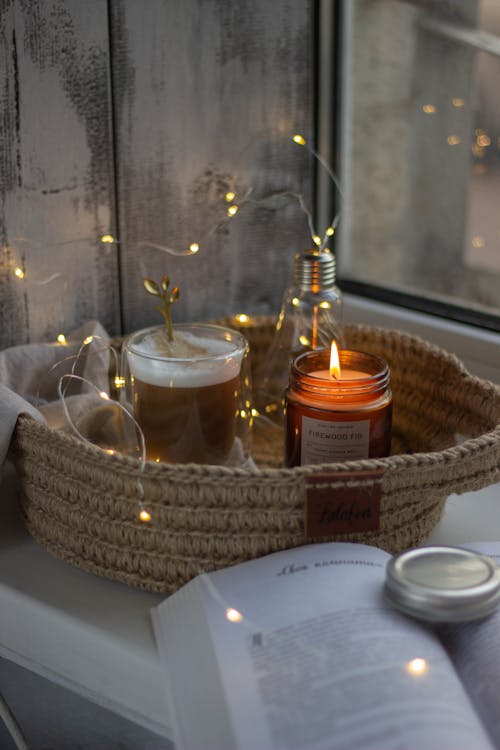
443,584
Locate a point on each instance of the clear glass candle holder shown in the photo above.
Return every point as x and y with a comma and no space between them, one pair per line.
190,397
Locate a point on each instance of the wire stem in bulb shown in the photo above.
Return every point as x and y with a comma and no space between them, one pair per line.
314,344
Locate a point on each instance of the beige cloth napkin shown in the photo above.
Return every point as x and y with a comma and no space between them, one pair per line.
11,406
29,377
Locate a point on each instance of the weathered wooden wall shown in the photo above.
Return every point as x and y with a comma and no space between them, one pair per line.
56,169
134,119
207,96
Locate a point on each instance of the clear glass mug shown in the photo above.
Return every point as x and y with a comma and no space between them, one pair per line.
192,399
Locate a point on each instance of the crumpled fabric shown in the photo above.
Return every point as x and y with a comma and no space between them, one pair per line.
29,376
33,370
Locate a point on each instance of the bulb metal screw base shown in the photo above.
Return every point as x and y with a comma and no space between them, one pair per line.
314,270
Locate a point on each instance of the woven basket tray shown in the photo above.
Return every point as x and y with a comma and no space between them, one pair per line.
81,503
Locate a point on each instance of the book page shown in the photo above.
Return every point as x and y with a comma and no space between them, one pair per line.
474,648
195,695
310,657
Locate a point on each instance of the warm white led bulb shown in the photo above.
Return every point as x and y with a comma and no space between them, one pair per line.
483,140
242,318
233,615
417,667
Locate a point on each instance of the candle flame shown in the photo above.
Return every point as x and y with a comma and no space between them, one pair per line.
334,362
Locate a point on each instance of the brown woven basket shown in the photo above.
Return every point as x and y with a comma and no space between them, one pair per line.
81,503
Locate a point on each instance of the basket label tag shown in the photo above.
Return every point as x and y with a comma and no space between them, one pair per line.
342,503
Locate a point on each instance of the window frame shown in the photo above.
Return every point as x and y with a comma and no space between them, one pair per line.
333,25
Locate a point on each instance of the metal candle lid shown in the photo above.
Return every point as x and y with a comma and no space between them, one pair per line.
443,584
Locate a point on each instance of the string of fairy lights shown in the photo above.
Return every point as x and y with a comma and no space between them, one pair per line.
233,204
90,345
481,143
99,345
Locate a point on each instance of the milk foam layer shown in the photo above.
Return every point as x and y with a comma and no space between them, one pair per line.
201,361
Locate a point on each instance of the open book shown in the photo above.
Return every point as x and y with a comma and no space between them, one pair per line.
299,650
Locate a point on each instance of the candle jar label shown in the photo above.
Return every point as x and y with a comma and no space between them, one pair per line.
328,442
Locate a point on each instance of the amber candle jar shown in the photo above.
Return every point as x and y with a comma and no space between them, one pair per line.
328,419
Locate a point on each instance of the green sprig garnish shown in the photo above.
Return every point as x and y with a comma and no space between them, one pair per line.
161,290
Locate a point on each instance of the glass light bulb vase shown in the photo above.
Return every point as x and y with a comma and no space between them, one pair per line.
310,318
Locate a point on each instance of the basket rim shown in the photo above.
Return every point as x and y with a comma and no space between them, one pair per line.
397,462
